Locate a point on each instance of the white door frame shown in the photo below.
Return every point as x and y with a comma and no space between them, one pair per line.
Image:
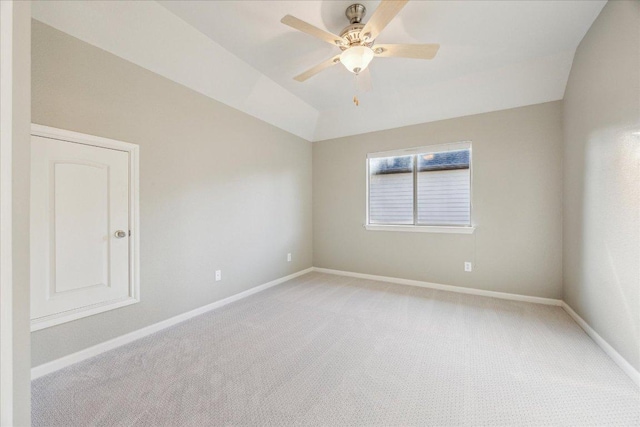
6,284
15,116
134,222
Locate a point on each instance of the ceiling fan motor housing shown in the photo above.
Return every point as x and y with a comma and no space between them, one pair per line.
352,32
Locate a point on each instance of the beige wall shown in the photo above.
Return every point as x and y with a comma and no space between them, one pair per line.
219,189
602,179
517,205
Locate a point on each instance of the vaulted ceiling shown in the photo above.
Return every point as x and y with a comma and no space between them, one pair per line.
494,55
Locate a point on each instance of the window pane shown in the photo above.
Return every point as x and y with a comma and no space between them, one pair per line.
444,184
391,190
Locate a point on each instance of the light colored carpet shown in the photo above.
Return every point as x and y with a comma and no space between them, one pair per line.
332,350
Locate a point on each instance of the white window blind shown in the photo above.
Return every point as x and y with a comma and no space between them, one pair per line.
431,187
444,197
391,190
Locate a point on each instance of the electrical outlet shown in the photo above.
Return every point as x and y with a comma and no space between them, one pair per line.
468,266
218,275
289,257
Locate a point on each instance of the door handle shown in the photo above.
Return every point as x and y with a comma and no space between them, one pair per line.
120,234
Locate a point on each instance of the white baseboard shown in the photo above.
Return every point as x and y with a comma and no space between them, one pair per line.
87,353
611,352
449,288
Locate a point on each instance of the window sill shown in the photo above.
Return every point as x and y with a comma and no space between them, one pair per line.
422,228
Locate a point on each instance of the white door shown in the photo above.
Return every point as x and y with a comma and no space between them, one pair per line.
79,226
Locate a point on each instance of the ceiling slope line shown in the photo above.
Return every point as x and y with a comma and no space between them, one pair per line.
150,36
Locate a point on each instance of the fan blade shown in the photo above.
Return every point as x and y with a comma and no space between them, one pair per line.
316,32
320,67
387,10
417,51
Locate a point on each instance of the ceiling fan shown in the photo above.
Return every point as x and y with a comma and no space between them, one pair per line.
357,40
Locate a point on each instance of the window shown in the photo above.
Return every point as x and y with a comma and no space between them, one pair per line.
423,187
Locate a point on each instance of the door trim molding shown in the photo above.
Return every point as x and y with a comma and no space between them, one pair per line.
134,222
6,206
81,138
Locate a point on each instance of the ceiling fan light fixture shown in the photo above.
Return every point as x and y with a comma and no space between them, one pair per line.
356,58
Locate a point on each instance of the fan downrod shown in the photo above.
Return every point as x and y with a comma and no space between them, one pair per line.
355,13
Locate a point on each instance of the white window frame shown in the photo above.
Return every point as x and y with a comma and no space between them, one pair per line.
436,148
134,224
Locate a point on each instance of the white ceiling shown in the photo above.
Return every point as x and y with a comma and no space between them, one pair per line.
493,55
